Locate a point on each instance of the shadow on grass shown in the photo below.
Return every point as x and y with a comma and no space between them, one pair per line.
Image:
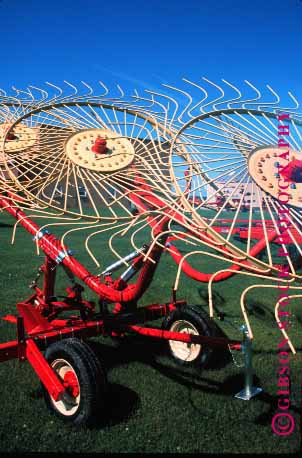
139,349
254,307
120,404
258,309
218,299
299,319
126,350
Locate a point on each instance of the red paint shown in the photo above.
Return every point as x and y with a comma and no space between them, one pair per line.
182,336
43,370
100,146
71,384
293,171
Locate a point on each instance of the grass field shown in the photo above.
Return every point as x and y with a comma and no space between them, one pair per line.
152,405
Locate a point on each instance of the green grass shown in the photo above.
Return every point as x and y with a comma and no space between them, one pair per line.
153,405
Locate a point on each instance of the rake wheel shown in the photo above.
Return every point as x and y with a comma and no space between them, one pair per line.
89,150
234,154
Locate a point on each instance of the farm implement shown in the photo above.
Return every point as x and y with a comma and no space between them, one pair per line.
72,376
135,168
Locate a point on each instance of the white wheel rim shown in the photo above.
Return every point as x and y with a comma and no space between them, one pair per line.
68,405
183,350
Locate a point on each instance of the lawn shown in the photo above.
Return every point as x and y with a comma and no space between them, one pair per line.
152,405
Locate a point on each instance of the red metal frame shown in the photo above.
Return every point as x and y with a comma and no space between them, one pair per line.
38,322
30,348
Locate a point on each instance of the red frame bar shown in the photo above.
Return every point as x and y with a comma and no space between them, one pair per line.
43,370
53,248
9,350
182,336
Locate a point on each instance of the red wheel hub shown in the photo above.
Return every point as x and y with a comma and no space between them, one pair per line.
70,382
100,146
11,136
293,171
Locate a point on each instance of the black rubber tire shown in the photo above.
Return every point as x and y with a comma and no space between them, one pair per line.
199,322
91,379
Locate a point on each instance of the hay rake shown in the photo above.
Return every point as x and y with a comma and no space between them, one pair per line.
171,167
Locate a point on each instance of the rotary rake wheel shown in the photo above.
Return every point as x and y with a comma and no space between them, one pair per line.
244,187
93,149
205,173
243,173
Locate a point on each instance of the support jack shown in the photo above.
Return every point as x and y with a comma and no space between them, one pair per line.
249,391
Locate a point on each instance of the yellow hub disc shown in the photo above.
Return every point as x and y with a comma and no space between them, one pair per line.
26,137
264,170
119,154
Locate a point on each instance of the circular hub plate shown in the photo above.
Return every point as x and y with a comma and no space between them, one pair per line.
265,166
69,404
182,350
120,152
26,137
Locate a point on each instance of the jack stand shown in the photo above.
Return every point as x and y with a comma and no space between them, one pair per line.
249,391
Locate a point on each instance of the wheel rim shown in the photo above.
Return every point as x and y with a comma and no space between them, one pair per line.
183,350
70,402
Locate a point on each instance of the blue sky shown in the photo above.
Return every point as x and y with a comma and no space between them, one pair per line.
143,43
